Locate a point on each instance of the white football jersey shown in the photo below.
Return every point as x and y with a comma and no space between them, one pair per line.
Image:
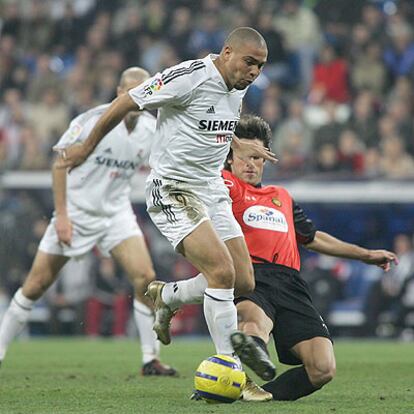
196,119
102,184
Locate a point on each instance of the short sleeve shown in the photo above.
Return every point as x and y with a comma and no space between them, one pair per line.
304,227
77,132
174,86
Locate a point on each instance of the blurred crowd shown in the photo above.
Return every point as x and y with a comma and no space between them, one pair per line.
337,89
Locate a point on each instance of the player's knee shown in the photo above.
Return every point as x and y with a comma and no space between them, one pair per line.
146,275
223,276
141,278
244,287
321,372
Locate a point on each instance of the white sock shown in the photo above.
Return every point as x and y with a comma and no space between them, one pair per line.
144,319
14,320
186,291
221,316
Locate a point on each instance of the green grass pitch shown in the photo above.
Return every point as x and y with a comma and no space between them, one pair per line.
101,376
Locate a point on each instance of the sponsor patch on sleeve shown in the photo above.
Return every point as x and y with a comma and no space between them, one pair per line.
155,85
75,131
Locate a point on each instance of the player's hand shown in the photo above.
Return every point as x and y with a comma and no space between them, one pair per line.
63,227
245,150
71,156
382,259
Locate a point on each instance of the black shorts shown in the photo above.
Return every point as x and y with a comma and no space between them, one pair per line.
284,296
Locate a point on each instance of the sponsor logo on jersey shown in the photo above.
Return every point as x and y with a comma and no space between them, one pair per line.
211,110
114,163
266,218
217,125
154,86
223,138
108,151
276,202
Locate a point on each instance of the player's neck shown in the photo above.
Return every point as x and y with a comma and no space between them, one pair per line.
218,63
130,122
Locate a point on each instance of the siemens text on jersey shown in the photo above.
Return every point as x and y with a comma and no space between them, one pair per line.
111,162
217,125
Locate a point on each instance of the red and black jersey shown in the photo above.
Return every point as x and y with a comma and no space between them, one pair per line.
271,221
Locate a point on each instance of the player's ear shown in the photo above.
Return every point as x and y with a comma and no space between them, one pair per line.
226,51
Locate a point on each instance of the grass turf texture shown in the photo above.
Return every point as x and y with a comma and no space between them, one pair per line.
101,376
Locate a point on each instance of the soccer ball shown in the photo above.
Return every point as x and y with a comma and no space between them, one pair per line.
219,379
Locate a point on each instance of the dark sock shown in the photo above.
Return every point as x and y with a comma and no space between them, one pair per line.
261,343
290,385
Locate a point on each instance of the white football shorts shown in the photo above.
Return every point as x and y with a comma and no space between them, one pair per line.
90,231
177,208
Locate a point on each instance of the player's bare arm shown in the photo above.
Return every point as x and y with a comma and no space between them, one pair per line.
63,224
245,150
76,154
326,244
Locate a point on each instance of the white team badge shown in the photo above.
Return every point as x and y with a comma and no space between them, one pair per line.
75,131
266,218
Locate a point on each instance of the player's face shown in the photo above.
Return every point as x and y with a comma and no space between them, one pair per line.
250,170
244,64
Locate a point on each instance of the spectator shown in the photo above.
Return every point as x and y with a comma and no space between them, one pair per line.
11,20
276,68
368,71
300,28
396,162
12,118
130,30
32,156
180,31
385,293
330,78
37,28
399,56
350,153
329,131
327,159
400,112
207,37
50,118
294,140
68,32
363,119
372,163
43,78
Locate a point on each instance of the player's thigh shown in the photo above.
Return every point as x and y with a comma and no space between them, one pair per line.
43,273
317,354
204,249
253,320
243,268
133,256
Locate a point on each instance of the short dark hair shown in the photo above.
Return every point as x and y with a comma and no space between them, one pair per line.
251,127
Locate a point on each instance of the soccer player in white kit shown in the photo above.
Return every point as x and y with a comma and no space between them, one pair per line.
92,208
199,104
